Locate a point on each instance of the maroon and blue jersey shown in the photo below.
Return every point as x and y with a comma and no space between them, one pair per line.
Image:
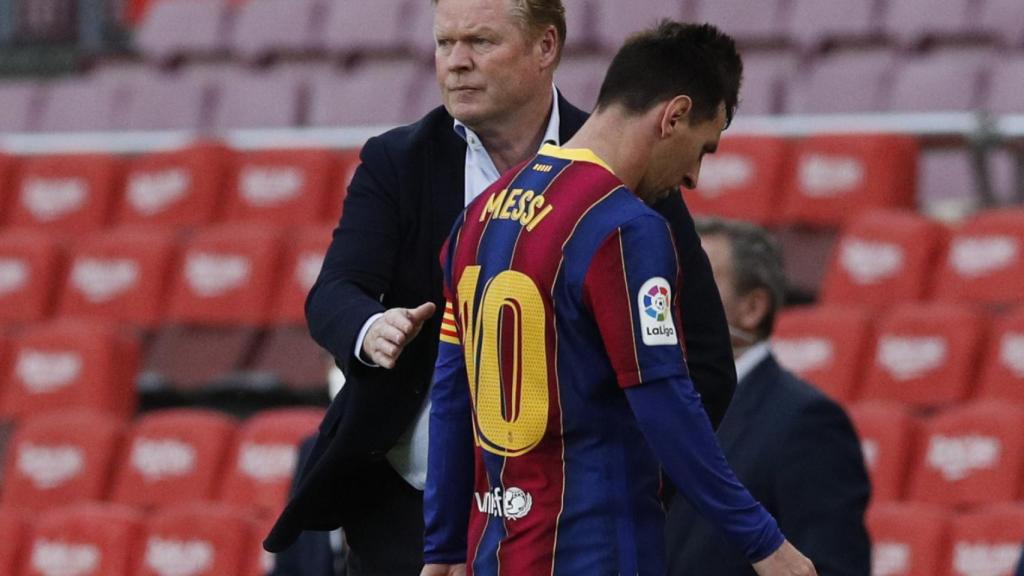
561,287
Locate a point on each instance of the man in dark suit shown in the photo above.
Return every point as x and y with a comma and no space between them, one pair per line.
790,445
381,279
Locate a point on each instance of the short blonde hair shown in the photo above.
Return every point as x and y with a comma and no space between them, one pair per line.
536,15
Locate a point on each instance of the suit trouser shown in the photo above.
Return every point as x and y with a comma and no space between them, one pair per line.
385,537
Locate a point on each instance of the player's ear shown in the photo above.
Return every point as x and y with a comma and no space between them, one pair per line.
675,113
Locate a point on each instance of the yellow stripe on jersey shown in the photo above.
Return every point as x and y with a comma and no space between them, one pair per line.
449,330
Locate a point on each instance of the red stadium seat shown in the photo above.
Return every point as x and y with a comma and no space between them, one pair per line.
30,272
987,541
185,358
825,345
180,188
985,261
7,166
67,194
14,533
71,365
926,355
884,258
887,433
120,276
282,186
174,456
836,177
266,457
198,540
908,539
1003,368
227,276
84,540
969,455
743,180
262,562
303,258
58,459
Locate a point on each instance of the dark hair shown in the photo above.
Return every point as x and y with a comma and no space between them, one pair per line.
697,60
756,262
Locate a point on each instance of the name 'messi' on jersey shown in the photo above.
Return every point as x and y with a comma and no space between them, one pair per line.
525,206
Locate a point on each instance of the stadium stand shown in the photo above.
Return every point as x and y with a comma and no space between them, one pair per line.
175,28
65,193
909,539
911,22
274,27
887,433
983,261
13,536
814,24
987,541
1002,376
31,268
206,539
360,27
767,76
284,187
76,104
611,22
750,24
742,180
17,103
392,83
158,100
256,99
1004,20
850,81
85,540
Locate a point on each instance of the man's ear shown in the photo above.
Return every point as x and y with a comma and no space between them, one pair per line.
752,308
674,113
548,47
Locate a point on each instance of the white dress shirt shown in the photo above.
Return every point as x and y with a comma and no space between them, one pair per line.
749,360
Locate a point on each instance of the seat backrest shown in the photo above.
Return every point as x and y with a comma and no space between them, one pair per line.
970,454
205,539
69,194
285,187
984,260
887,433
825,345
77,103
68,364
836,177
174,456
84,540
1002,374
257,99
768,77
1005,82
884,258
917,82
31,267
227,276
908,539
303,259
265,27
390,81
61,458
164,101
1004,19
360,26
14,534
742,179
579,79
926,354
173,28
266,458
853,81
613,22
911,21
17,106
812,23
987,541
747,22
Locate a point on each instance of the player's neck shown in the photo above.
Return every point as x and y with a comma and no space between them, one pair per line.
621,141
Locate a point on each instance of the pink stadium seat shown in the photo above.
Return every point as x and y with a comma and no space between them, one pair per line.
18,104
852,81
887,434
941,81
825,345
289,357
31,268
186,358
198,540
579,79
581,19
266,27
970,454
61,458
908,539
254,99
287,187
911,21
884,258
174,456
173,28
1007,83
84,540
67,194
303,259
926,355
1004,19
837,177
266,457
946,178
767,78
983,263
360,26
120,276
616,21
77,104
742,179
1002,375
339,99
68,365
813,23
14,534
175,189
163,101
748,22
987,541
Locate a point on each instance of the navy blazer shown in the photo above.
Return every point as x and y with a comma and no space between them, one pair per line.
401,204
798,454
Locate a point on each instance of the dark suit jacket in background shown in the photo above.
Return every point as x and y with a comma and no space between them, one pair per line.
401,204
797,453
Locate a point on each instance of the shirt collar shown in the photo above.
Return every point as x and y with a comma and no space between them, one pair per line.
749,360
550,134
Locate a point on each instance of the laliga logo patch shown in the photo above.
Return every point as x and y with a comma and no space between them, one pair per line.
655,301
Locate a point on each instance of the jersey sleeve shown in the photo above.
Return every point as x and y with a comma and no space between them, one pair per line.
631,291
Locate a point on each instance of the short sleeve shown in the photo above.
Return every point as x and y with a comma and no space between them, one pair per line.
630,289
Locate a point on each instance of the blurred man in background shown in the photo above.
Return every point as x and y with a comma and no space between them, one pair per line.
790,445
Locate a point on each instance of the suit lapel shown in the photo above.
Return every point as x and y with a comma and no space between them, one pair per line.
446,174
751,395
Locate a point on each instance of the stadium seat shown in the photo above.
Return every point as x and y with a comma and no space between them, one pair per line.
271,27
926,355
83,540
262,562
288,357
266,456
304,256
579,79
742,180
747,22
391,83
175,189
197,540
120,276
174,456
66,194
18,106
1003,19
768,77
174,28
983,263
887,434
164,101
908,539
65,365
76,103
1002,374
884,258
825,345
287,187
837,177
31,268
987,541
850,81
14,534
8,165
361,27
813,24
257,99
616,21
912,21
58,459
581,18
1005,83
186,359
940,81
969,455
